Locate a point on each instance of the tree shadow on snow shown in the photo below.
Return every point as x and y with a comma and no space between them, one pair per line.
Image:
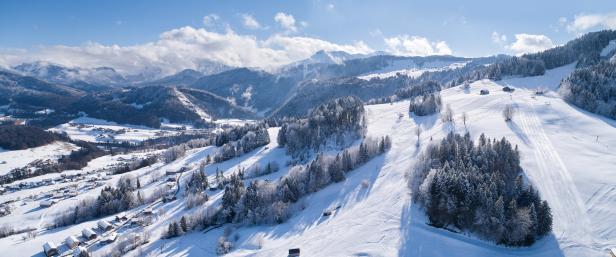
334,197
420,239
426,122
519,132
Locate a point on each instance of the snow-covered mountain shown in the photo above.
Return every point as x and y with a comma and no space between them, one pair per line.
207,67
56,73
329,57
182,78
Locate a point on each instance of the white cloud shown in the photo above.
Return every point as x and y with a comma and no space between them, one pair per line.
301,47
376,33
498,38
183,48
286,21
330,7
250,22
416,46
210,19
584,22
525,43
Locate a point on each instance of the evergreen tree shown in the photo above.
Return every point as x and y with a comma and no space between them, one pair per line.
183,224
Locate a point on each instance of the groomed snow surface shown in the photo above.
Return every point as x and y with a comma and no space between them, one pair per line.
566,153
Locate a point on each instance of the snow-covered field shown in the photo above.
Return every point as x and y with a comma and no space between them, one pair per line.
19,158
565,152
410,69
97,130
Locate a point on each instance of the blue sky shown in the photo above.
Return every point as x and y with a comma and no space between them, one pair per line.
42,29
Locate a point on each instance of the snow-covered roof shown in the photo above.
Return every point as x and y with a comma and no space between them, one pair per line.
103,224
49,246
88,232
71,240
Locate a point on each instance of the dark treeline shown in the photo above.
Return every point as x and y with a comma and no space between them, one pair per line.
423,88
480,188
592,88
237,144
236,133
13,137
414,89
339,121
584,50
263,202
426,104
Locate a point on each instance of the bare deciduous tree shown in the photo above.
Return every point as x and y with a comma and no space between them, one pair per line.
418,131
508,112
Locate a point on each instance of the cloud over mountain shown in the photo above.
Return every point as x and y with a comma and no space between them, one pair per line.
183,48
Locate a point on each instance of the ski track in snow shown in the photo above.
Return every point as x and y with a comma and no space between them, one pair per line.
571,223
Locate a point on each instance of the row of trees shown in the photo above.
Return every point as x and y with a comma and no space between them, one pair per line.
418,89
339,121
13,137
426,104
480,188
249,141
236,133
263,202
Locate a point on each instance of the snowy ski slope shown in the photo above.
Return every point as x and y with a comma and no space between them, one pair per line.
566,153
